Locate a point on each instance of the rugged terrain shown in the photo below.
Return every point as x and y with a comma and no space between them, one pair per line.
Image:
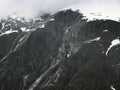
63,51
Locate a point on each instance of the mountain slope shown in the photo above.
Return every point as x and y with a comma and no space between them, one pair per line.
62,52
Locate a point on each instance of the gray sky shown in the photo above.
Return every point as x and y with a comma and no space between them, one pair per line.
29,8
32,7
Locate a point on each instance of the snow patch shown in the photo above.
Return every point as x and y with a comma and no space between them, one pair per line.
92,40
112,88
52,19
113,43
26,30
96,39
23,28
68,55
9,32
42,26
105,31
3,25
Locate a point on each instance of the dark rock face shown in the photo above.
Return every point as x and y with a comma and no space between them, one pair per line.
68,53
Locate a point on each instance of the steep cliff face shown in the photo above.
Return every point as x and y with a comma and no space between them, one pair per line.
61,52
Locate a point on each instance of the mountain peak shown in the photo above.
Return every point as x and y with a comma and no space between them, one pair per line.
97,11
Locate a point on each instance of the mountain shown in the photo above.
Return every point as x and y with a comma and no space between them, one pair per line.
63,51
97,10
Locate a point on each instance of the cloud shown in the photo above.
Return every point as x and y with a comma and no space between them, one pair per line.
30,8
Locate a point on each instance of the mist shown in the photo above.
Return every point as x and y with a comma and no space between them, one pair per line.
31,8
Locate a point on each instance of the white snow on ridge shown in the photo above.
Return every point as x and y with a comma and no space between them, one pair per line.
113,43
92,40
23,28
52,19
42,26
26,30
98,10
96,39
105,31
9,32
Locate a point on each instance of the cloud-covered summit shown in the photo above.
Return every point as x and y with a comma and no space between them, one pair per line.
30,8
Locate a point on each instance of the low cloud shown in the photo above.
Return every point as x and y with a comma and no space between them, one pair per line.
30,8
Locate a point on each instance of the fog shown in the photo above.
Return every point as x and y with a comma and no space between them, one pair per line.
31,8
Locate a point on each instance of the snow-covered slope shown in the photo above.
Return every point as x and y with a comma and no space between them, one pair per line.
97,10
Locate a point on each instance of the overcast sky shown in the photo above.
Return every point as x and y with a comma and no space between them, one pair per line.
30,8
